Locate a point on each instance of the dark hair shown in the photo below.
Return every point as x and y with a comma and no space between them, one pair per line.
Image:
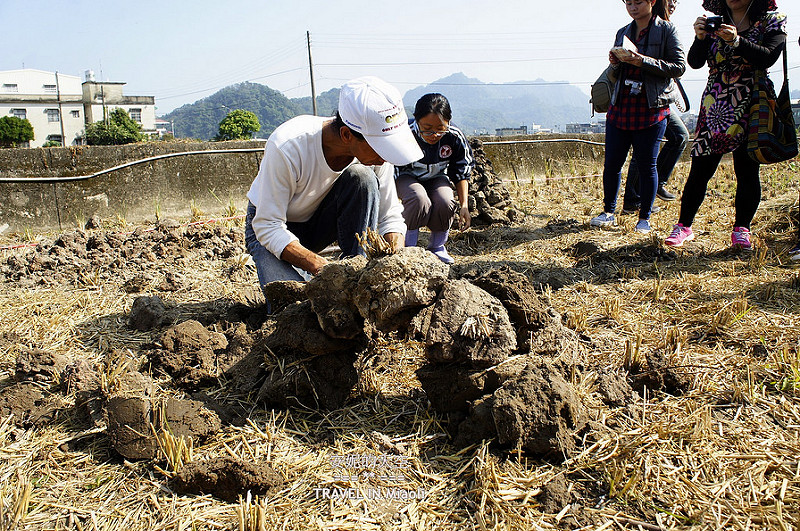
433,103
756,11
661,9
338,123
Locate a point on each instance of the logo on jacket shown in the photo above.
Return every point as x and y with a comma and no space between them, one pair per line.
445,151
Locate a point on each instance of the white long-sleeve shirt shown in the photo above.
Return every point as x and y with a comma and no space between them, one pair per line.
294,178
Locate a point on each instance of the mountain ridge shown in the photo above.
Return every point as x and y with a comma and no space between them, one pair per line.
477,106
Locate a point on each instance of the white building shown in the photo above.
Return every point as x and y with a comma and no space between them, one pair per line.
59,106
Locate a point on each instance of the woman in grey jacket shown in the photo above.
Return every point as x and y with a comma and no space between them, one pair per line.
646,58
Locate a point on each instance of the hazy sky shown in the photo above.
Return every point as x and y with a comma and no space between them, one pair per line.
180,51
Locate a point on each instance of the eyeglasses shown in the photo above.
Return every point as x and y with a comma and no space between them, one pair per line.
434,134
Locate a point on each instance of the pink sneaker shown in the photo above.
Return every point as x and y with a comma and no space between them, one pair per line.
740,238
680,234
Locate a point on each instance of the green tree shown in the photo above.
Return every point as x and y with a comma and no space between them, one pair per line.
238,125
14,131
120,128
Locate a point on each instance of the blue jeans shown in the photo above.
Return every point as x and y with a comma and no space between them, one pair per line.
677,137
350,207
645,149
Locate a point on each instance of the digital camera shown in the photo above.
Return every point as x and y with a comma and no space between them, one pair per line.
713,24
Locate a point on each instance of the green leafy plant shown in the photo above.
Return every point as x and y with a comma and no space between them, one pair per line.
118,129
14,131
238,125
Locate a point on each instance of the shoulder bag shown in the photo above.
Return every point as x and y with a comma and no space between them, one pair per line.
772,134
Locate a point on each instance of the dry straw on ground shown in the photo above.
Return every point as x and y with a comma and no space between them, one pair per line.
724,455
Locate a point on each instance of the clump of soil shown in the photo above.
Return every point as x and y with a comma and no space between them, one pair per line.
661,375
538,326
131,421
536,410
331,296
29,404
282,293
392,289
39,365
147,313
297,331
191,354
226,478
320,382
614,388
196,356
467,324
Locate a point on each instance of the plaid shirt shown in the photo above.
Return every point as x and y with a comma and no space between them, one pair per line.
631,111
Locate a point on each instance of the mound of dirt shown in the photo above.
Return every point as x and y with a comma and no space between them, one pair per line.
194,356
226,478
661,375
489,199
282,293
451,387
538,326
331,296
392,289
535,410
297,332
323,381
468,324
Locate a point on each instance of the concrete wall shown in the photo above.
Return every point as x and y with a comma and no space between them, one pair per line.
169,186
209,181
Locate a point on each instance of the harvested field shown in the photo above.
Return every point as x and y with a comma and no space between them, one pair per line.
648,389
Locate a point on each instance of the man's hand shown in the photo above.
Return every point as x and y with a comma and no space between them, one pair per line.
395,239
299,256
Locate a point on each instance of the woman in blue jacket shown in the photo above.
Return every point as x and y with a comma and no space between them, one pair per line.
424,186
647,57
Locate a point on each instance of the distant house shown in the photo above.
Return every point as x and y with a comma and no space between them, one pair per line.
586,128
512,131
59,106
796,111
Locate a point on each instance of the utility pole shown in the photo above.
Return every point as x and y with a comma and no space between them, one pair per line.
60,112
311,71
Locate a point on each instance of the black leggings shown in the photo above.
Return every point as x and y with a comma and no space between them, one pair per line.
748,187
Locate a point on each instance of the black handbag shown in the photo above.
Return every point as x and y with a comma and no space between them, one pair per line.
772,134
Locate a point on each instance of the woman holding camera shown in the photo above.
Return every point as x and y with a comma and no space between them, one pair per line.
646,57
742,38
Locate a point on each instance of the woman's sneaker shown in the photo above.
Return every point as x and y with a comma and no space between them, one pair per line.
643,227
740,238
679,235
603,220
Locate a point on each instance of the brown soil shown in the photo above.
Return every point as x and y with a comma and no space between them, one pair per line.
226,478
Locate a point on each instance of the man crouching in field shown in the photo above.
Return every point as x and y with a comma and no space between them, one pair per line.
329,179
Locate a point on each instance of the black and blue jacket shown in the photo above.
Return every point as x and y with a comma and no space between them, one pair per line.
450,156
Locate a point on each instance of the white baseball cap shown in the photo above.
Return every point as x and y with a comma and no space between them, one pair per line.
374,108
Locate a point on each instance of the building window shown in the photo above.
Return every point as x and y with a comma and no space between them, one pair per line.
52,115
55,138
10,87
19,113
75,114
136,115
50,89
